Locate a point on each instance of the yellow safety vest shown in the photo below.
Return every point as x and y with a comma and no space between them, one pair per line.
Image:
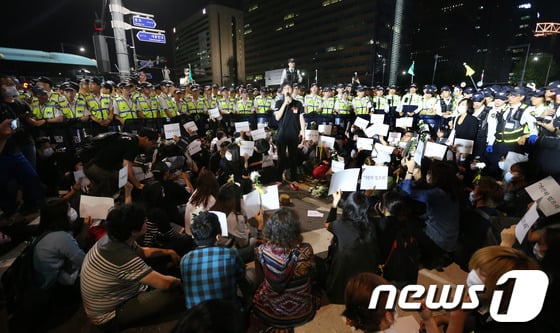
46,111
344,106
328,105
361,105
511,135
126,111
99,110
263,104
196,107
244,107
79,109
312,102
226,106
149,107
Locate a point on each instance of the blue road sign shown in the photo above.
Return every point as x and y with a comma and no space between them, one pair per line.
151,37
143,22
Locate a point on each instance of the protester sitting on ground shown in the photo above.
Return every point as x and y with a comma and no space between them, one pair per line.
516,199
211,271
357,297
487,265
397,232
118,288
203,198
353,248
442,197
285,275
230,203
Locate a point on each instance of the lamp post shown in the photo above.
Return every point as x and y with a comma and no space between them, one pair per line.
436,57
551,57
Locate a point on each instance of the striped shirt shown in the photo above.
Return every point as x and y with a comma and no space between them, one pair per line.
110,276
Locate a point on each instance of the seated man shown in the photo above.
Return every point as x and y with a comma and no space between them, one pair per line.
210,271
115,279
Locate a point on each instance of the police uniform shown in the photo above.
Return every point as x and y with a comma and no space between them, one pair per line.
148,106
327,108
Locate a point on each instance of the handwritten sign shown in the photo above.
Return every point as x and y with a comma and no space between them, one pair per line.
194,147
171,130
242,126
435,150
526,222
215,113
404,122
381,129
394,137
190,127
337,166
269,200
312,135
246,147
542,188
377,118
364,144
381,148
326,141
345,180
325,129
370,131
374,177
259,133
81,178
361,123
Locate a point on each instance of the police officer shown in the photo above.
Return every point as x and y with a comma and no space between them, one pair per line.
100,106
196,107
262,105
410,102
342,110
45,112
547,153
312,104
291,74
327,107
54,97
393,100
361,104
147,105
226,105
124,107
167,105
76,107
481,112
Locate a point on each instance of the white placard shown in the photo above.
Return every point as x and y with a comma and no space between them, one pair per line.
512,158
464,146
269,200
550,204
345,180
374,177
95,207
326,141
190,127
381,129
314,213
246,147
404,122
394,137
364,144
361,123
81,178
262,125
325,129
222,218
312,135
542,188
370,131
377,118
337,166
526,222
171,130
419,153
215,113
267,161
194,147
435,150
242,126
258,134
123,176
381,148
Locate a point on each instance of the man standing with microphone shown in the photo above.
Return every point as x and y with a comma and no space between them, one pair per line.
291,131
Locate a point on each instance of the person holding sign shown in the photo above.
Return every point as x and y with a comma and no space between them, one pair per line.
291,130
442,199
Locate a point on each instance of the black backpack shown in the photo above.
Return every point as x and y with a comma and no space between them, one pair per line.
19,280
91,146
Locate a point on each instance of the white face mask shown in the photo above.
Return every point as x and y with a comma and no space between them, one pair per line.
462,108
48,152
473,279
228,156
501,164
72,215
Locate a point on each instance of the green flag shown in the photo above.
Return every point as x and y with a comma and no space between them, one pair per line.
411,69
190,74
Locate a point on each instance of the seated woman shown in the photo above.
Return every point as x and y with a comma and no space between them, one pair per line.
285,269
487,266
203,198
115,279
354,245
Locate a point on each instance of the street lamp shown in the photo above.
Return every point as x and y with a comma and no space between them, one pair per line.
551,56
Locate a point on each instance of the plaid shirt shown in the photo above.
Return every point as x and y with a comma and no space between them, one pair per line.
211,273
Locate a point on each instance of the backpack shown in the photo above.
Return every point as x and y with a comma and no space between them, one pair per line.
19,280
91,146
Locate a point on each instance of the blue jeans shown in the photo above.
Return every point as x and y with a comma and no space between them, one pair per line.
16,171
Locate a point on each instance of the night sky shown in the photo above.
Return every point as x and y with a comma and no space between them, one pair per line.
44,25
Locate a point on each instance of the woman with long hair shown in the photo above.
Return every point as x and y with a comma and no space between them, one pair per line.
354,245
203,198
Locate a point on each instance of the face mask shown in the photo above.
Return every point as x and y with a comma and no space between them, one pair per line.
472,198
473,279
537,253
462,108
508,177
48,152
72,215
11,91
228,156
501,165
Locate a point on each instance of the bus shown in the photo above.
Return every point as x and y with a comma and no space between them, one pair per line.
59,67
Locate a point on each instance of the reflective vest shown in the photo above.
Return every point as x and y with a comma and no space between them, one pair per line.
46,111
291,77
361,105
181,107
244,106
312,102
149,106
344,107
262,104
75,110
509,130
299,98
428,105
99,109
57,99
226,106
211,103
126,111
328,105
170,105
196,107
393,101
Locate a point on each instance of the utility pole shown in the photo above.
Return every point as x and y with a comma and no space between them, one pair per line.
120,39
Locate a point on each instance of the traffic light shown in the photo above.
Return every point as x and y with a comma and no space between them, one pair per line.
98,25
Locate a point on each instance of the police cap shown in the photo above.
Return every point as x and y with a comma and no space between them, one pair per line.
145,85
291,60
359,88
477,97
501,95
469,90
518,91
96,80
445,88
69,85
537,93
413,85
45,79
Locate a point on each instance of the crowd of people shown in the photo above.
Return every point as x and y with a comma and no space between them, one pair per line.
162,244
